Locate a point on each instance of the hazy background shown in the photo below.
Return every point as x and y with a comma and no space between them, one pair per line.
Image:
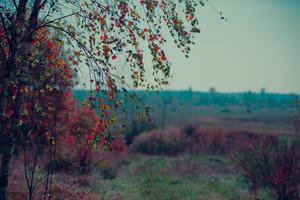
258,47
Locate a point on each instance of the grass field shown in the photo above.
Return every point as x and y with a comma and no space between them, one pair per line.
185,177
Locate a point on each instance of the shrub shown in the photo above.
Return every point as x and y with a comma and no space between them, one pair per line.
107,169
225,110
75,158
199,140
138,126
60,165
74,152
119,145
195,140
82,158
240,139
218,141
109,163
274,164
168,142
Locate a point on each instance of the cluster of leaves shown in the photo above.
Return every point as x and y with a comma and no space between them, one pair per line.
123,28
47,83
46,90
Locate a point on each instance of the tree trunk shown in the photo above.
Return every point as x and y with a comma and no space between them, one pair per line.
6,138
6,142
6,149
8,74
3,101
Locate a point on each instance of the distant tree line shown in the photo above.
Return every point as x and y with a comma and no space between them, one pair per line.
248,98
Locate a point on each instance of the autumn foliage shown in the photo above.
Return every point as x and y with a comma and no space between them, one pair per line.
169,142
195,140
44,47
274,164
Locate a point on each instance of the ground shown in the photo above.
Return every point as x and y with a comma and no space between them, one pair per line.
185,177
177,177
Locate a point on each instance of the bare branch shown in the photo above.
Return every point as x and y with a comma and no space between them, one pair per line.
5,30
2,55
33,20
45,25
21,10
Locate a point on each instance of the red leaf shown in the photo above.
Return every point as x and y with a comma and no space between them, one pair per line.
98,88
33,42
114,57
90,137
51,45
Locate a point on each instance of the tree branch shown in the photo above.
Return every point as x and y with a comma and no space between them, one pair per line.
5,30
21,10
33,20
45,25
2,55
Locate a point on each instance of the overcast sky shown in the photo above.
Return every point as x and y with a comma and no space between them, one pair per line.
258,47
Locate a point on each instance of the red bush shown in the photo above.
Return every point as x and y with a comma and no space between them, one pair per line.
75,152
219,141
119,145
274,164
159,142
195,140
205,141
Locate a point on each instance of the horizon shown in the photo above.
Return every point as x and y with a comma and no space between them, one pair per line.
203,91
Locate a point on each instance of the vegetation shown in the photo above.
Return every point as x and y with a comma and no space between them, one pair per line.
198,161
59,143
272,163
36,37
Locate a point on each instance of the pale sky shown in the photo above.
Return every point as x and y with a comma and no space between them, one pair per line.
258,47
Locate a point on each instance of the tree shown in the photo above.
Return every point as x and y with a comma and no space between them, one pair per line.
248,100
166,101
212,91
190,94
43,96
98,34
213,95
263,96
